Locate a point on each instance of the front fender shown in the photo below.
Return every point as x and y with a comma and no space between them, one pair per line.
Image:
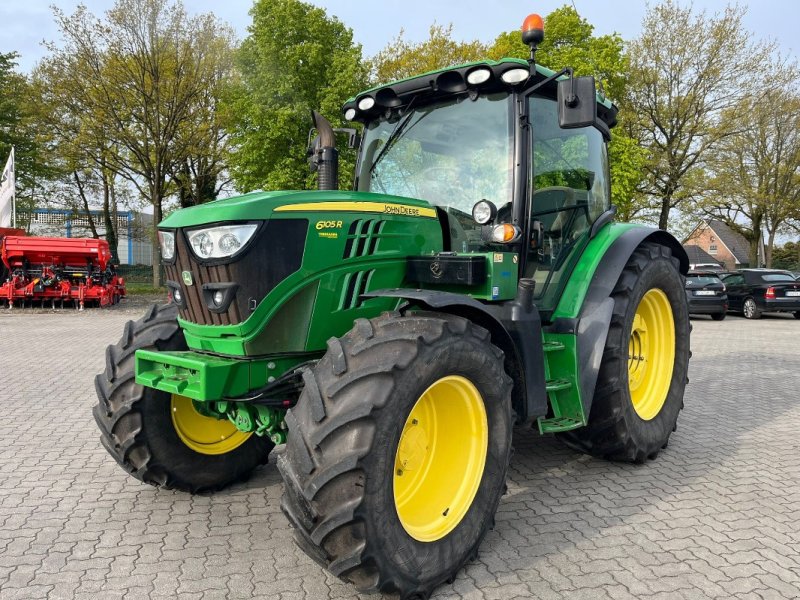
515,329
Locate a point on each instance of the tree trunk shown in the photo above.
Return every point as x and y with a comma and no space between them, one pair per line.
108,218
81,193
157,215
663,218
185,185
768,249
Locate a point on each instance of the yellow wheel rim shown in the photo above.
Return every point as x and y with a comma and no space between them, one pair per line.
651,354
202,434
440,458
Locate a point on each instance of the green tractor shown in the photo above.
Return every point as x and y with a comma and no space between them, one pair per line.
389,338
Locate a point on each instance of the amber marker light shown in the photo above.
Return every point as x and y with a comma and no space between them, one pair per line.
505,233
533,29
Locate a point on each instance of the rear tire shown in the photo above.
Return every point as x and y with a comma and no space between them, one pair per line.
718,316
137,426
341,467
616,429
750,309
797,314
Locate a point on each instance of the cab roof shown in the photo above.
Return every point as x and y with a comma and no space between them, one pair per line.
453,80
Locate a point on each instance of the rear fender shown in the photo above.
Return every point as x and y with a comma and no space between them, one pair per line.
591,319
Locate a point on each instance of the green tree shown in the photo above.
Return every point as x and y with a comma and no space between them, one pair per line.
755,173
140,73
202,173
787,256
400,58
78,149
569,41
19,128
686,70
295,60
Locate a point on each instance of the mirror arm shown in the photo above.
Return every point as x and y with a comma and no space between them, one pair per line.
572,99
353,139
553,77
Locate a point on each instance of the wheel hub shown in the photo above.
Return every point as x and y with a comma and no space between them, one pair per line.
651,354
637,363
440,458
413,448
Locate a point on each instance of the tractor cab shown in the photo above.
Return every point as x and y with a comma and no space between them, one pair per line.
506,167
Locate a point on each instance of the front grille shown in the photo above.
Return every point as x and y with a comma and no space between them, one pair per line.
274,254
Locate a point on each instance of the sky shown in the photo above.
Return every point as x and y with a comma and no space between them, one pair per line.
24,24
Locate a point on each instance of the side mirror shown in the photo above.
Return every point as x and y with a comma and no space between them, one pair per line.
577,102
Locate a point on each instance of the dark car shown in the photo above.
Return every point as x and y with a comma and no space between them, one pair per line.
706,295
755,291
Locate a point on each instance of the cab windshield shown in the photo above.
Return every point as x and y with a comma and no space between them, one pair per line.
451,153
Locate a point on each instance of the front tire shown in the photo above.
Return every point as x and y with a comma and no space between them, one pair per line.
159,438
397,452
643,373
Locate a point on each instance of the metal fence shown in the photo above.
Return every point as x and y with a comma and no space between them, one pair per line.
138,273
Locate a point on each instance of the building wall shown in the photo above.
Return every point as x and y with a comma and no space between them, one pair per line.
705,238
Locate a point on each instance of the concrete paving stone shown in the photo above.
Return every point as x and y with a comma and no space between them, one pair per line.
715,516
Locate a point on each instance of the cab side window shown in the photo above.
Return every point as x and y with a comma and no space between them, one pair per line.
569,173
569,191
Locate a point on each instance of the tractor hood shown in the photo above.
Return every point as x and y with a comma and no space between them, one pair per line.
262,205
312,253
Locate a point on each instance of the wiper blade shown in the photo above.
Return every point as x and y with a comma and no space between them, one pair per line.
395,135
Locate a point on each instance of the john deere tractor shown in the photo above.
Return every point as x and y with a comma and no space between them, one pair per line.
387,338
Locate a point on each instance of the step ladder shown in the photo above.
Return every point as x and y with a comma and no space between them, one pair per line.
562,393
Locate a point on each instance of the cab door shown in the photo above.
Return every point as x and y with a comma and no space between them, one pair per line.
569,190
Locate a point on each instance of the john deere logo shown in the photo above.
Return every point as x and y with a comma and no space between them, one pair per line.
436,269
187,277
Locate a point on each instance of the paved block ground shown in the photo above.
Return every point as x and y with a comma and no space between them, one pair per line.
717,515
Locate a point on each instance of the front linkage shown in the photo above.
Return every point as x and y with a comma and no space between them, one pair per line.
221,388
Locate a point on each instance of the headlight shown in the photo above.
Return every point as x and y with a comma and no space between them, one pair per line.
366,103
167,241
483,212
515,76
478,76
220,242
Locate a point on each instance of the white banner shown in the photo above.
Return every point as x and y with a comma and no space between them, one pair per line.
7,192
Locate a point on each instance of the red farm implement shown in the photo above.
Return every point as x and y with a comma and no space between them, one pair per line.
42,269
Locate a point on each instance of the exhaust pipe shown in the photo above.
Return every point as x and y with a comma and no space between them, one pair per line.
324,157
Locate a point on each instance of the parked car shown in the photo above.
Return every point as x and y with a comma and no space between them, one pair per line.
706,295
716,267
755,291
